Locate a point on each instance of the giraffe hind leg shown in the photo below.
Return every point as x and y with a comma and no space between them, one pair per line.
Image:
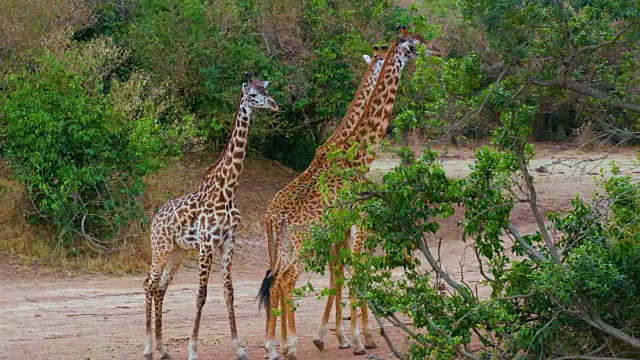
206,257
227,259
355,332
272,319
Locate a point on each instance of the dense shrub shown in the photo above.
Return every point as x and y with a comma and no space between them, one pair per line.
81,152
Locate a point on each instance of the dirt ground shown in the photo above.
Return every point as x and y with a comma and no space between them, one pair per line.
90,317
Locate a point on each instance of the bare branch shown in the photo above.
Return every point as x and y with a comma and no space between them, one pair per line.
533,204
528,248
585,90
600,324
464,292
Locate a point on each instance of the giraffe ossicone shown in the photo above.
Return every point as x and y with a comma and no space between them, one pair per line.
204,220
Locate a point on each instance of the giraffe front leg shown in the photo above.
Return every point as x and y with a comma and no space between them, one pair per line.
369,343
148,341
342,338
151,287
322,332
227,256
206,257
355,332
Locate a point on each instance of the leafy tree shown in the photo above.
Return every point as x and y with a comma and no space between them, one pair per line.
551,296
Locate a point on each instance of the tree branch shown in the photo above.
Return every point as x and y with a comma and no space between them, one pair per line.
434,264
493,89
601,325
585,90
603,44
384,333
533,204
530,249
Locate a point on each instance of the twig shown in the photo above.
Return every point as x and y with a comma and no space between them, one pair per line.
514,297
540,331
530,249
475,251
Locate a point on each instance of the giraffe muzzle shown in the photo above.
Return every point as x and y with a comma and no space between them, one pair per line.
273,106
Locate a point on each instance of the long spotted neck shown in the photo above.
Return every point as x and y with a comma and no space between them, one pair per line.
354,113
359,102
226,172
377,113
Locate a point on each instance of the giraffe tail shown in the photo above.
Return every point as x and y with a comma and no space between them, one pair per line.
274,234
264,294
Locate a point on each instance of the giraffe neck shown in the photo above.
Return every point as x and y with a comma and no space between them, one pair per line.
226,171
359,102
354,113
377,113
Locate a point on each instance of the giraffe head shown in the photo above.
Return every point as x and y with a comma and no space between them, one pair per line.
254,92
407,42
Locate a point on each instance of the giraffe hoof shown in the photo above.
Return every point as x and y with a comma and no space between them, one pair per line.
319,344
344,346
148,356
166,356
243,357
359,352
290,357
370,345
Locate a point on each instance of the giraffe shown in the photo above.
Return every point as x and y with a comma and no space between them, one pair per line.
307,206
203,220
353,114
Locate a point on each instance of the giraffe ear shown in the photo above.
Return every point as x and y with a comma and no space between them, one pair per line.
366,58
265,84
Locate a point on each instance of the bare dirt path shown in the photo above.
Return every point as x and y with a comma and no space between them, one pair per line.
66,318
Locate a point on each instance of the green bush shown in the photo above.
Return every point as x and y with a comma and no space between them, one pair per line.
81,152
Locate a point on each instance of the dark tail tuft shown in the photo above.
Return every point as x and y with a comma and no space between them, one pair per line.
264,293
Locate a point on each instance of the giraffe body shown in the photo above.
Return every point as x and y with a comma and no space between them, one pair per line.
288,216
204,220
